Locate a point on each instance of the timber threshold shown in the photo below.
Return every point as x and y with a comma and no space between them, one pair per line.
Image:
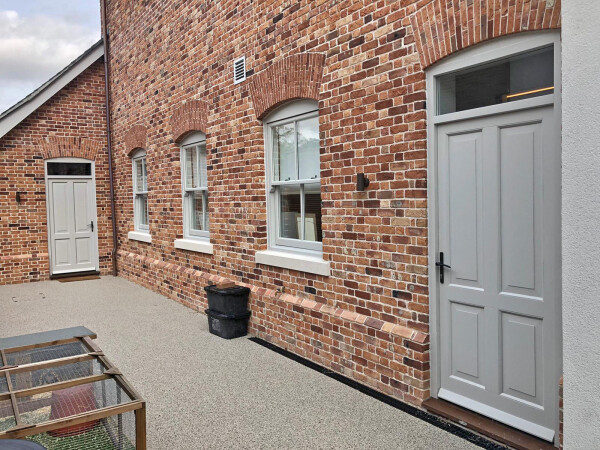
486,426
58,388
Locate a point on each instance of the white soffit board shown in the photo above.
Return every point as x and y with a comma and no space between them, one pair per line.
20,111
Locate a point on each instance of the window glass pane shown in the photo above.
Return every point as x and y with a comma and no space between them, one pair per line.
308,149
312,216
289,200
191,168
202,163
139,175
198,207
284,149
145,172
142,201
69,169
519,77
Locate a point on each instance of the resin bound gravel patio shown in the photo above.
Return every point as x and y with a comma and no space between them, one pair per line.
206,392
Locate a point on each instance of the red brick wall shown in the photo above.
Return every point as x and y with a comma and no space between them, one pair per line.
369,319
72,123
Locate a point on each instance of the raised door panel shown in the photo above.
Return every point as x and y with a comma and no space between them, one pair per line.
60,212
522,358
83,253
520,203
466,343
81,200
62,253
464,208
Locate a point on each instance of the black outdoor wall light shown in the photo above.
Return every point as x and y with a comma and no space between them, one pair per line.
361,182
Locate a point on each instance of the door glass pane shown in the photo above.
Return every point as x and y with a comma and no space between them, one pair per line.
289,200
198,202
191,167
284,149
312,216
519,77
308,149
142,200
69,169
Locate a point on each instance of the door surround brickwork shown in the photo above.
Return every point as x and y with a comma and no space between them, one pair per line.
69,147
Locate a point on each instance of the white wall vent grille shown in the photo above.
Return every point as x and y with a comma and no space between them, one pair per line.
239,70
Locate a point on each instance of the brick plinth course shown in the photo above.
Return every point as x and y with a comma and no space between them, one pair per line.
363,61
70,124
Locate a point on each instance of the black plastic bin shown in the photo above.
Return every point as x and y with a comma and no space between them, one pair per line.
233,300
227,326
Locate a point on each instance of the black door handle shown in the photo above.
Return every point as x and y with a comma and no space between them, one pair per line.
92,225
441,265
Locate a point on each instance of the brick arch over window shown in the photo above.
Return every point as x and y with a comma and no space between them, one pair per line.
294,77
135,138
69,147
189,116
443,27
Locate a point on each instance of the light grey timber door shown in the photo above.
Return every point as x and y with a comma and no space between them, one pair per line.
73,230
499,229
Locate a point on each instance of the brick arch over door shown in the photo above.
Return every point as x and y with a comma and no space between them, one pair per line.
189,116
294,77
69,147
442,27
135,138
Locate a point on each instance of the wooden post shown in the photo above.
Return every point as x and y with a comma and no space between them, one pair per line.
140,428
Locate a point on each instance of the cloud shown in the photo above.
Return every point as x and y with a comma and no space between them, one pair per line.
35,47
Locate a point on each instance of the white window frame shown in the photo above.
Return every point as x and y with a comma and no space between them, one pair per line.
289,113
194,140
140,155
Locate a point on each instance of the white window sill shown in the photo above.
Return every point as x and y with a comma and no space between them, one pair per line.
139,236
194,245
294,261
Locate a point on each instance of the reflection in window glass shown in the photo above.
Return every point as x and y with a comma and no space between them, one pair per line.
141,175
69,169
142,203
312,215
519,77
284,152
191,168
308,149
289,201
198,205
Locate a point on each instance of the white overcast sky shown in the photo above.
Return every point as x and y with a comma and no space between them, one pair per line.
40,37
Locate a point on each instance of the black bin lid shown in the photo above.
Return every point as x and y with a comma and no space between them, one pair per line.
235,290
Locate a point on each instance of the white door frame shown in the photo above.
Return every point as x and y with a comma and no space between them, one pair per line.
495,49
91,177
